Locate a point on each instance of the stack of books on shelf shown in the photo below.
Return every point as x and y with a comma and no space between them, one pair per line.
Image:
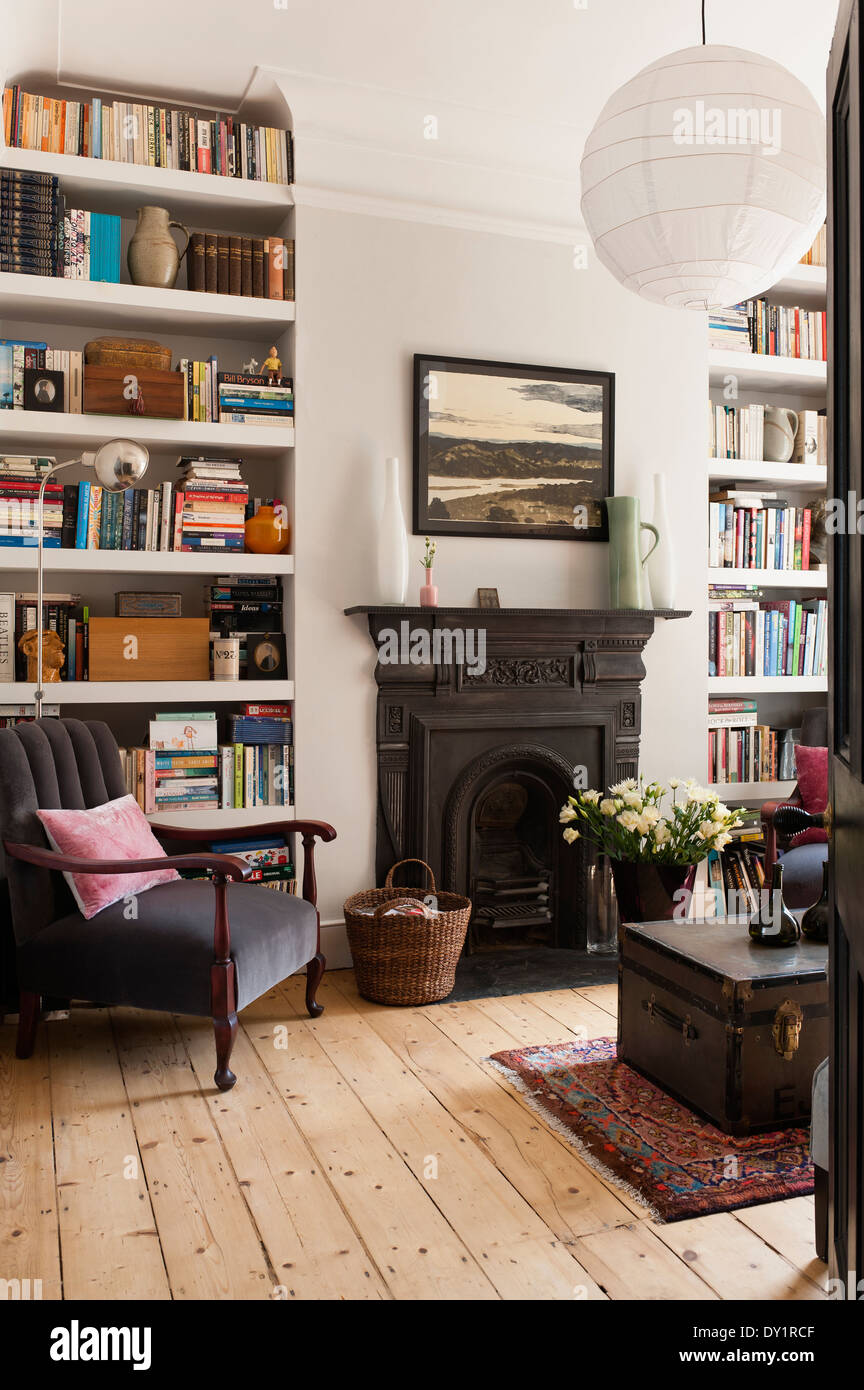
243,604
772,330
255,400
10,715
748,636
270,859
31,225
739,748
20,480
18,355
91,246
254,267
818,253
211,505
138,133
736,875
61,613
757,530
186,768
736,432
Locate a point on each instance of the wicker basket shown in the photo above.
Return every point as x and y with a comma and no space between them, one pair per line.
405,959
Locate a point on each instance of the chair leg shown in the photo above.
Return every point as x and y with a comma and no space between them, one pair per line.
226,1031
28,1019
314,974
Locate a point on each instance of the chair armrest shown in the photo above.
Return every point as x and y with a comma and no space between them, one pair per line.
308,829
229,866
769,831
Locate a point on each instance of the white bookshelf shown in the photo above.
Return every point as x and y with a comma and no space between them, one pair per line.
815,580
800,385
66,313
761,372
732,792
26,298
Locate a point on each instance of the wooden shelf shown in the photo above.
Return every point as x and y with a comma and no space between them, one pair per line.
732,792
25,430
147,692
770,579
31,298
765,685
219,818
104,185
757,372
143,562
751,471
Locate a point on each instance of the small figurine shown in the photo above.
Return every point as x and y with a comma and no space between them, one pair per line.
53,655
248,368
273,367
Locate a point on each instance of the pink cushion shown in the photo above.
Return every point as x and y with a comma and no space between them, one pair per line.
812,768
117,830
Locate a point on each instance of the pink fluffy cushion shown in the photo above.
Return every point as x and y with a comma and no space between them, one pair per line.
117,830
812,768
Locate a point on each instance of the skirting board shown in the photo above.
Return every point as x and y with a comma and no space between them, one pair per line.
334,944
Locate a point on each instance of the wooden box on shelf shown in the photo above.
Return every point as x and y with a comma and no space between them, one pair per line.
149,649
111,391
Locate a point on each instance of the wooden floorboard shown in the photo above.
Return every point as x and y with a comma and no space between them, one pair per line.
372,1153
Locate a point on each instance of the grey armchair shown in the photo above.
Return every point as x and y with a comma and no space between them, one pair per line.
197,946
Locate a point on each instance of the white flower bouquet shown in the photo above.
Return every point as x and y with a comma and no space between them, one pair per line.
631,823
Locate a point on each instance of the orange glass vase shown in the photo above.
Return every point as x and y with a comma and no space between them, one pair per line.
268,532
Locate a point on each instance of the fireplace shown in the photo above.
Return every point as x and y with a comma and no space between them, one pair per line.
474,764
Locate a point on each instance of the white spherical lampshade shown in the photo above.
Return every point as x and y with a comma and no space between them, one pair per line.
703,180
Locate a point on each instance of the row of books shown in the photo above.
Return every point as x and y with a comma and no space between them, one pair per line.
736,877
235,397
61,613
18,355
163,137
773,330
743,754
761,531
209,506
187,767
268,855
91,246
254,267
31,226
818,253
738,432
10,715
777,637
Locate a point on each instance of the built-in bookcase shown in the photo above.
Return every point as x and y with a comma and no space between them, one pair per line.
800,385
66,314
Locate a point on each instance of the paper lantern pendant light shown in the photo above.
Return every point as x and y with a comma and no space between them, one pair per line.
703,180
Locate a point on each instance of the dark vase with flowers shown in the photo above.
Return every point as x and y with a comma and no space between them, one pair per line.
652,892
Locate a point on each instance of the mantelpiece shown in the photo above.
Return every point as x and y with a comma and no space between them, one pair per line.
560,688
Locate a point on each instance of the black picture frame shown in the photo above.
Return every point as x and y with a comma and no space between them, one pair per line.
257,667
429,514
43,389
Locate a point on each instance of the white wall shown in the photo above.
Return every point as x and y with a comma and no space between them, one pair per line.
371,292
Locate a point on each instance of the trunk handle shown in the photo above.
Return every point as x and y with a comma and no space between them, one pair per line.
657,1013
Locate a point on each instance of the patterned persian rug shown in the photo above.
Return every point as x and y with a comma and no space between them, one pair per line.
657,1148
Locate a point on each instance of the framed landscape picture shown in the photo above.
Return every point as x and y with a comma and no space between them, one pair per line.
502,449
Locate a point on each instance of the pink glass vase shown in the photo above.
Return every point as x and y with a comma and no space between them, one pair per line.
429,592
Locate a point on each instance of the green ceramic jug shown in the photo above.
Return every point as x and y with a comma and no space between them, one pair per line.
626,585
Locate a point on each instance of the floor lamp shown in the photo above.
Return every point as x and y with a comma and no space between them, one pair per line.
118,465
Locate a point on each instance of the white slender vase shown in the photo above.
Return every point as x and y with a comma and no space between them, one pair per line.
661,565
392,541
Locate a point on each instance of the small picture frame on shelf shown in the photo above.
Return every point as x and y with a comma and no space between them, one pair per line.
488,598
266,658
43,389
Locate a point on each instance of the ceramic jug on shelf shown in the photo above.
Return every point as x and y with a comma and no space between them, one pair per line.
781,427
153,258
626,583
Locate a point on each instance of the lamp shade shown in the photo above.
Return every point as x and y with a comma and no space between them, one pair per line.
119,464
703,180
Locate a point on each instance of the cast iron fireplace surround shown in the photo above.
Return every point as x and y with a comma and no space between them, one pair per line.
473,767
